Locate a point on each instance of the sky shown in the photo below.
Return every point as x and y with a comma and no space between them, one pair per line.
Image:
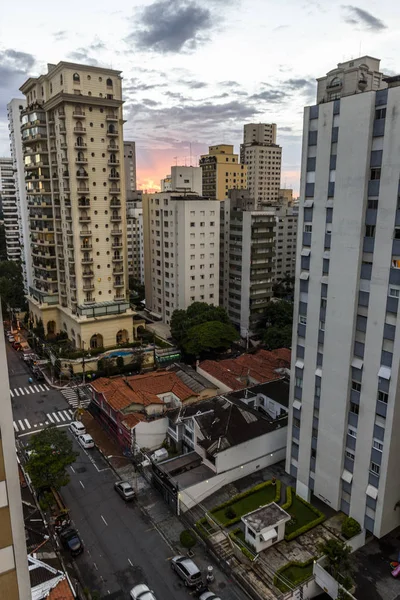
195,71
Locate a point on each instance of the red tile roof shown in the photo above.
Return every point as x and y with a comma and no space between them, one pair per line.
260,367
133,419
62,591
161,382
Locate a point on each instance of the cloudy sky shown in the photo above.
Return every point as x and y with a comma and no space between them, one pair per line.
196,70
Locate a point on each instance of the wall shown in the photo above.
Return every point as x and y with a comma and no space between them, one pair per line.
222,388
151,434
324,580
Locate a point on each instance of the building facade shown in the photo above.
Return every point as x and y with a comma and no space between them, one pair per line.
183,178
14,575
286,216
10,210
343,441
72,140
130,167
221,171
14,110
263,158
247,260
134,229
181,251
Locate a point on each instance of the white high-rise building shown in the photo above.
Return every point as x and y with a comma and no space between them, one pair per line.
181,251
183,178
134,229
14,110
263,158
130,167
10,211
286,235
344,444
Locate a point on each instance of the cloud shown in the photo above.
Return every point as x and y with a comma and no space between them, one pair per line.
149,102
172,26
269,96
15,68
230,84
361,17
195,85
82,55
60,35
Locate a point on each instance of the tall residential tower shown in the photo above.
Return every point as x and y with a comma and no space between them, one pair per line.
221,171
344,444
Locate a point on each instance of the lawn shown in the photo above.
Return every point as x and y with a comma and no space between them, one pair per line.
295,573
304,515
233,511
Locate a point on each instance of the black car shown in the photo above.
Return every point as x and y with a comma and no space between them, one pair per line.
71,541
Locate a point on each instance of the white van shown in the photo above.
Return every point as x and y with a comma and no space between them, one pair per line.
159,455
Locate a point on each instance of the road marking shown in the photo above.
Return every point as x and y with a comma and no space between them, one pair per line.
16,392
46,422
41,388
28,426
71,412
35,425
22,391
61,416
72,469
95,566
81,484
26,390
46,387
49,418
36,388
130,562
15,426
31,388
41,424
21,425
66,413
11,394
104,520
55,416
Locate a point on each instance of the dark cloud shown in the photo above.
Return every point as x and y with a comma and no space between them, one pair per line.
177,96
83,55
230,84
195,85
287,129
97,45
273,96
60,35
171,26
361,17
15,68
149,102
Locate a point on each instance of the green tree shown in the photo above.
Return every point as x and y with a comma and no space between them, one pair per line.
3,247
12,285
338,559
52,453
275,325
284,288
212,335
198,312
39,329
278,337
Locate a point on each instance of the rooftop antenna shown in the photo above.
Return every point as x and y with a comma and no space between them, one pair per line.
190,147
359,52
176,160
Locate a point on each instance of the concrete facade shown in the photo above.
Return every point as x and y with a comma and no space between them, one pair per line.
183,178
286,217
72,139
346,351
221,171
181,251
263,158
130,167
14,110
247,260
134,230
10,211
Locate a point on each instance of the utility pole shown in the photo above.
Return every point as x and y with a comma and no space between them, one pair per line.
83,363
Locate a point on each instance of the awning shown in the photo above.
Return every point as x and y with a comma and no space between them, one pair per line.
385,372
304,276
329,204
357,363
318,372
324,279
308,203
372,492
299,364
347,476
297,404
306,252
269,535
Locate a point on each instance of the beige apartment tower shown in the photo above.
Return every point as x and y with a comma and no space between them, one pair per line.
73,151
221,171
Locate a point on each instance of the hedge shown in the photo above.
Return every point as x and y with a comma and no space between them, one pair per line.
320,516
295,582
246,551
201,529
350,527
245,494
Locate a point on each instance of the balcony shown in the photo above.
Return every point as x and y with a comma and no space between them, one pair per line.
83,190
86,260
86,247
81,161
112,147
116,232
87,274
117,259
118,270
82,175
116,219
111,117
79,130
77,114
70,232
80,145
85,233
112,132
84,203
88,287
119,297
72,285
85,219
115,203
117,245
119,284
113,176
113,163
114,190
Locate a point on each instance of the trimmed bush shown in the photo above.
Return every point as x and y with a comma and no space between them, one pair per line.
292,498
245,550
230,513
295,572
350,527
203,528
187,539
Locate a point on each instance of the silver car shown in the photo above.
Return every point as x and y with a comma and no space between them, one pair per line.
125,490
142,592
208,596
187,570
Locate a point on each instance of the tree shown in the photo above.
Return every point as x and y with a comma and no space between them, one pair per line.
284,288
338,559
198,312
120,362
278,337
3,246
39,329
212,335
51,453
275,326
12,285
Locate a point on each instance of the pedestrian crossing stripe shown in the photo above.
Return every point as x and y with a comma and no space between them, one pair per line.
59,417
31,389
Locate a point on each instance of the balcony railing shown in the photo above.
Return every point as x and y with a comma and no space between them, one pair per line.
79,130
85,233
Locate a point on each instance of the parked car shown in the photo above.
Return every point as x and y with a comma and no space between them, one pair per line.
86,440
71,541
38,375
11,338
142,592
187,570
16,345
125,490
208,595
77,428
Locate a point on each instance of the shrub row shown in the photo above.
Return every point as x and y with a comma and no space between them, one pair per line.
281,585
201,529
350,527
320,516
246,551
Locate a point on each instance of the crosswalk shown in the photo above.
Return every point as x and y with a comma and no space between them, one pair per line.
29,389
59,417
71,396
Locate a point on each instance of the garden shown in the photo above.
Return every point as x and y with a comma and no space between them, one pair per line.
293,574
304,515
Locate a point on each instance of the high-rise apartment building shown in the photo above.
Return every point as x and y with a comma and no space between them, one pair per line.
72,140
343,441
14,574
285,235
134,228
10,210
181,251
14,110
183,178
263,158
221,171
247,260
130,167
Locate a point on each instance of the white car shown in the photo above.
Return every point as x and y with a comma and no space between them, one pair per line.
86,440
142,592
208,596
11,338
77,428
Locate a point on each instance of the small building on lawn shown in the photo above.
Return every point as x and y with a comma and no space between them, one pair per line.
265,526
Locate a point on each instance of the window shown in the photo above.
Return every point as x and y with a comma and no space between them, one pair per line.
380,113
397,233
350,455
298,382
373,204
394,292
323,302
192,224
370,231
356,386
377,444
395,263
302,320
296,422
76,77
352,432
354,408
307,228
109,82
375,174
313,453
318,391
383,396
376,469
322,325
